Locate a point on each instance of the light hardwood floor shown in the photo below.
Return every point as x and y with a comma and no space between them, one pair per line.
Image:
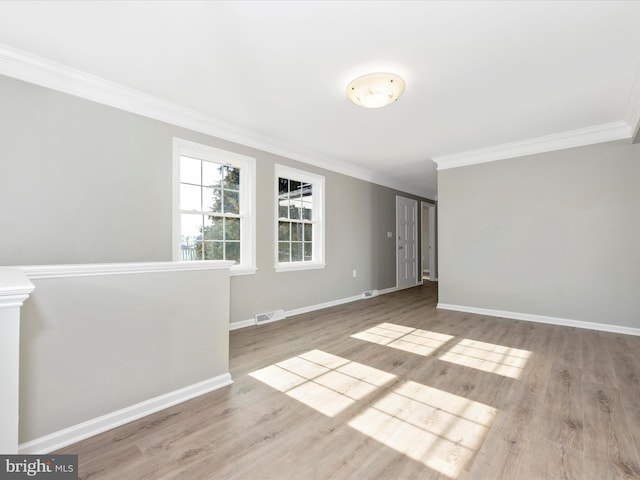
391,388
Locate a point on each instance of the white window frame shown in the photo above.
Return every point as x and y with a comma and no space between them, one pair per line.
247,166
318,183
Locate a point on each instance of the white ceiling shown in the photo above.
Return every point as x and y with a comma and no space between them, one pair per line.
478,74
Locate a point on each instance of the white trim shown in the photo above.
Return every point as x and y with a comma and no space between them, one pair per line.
12,301
320,306
298,266
312,308
247,166
242,271
433,242
565,322
633,105
15,287
318,220
81,431
558,141
175,199
100,269
387,290
242,324
40,71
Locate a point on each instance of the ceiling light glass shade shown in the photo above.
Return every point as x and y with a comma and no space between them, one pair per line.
375,90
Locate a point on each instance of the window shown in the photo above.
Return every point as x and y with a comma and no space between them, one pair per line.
300,219
214,206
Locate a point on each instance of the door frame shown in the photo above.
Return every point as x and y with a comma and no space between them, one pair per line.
426,212
433,241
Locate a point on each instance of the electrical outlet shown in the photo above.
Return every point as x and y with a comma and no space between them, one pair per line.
355,274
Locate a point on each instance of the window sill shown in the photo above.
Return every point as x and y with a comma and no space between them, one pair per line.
297,266
234,270
242,271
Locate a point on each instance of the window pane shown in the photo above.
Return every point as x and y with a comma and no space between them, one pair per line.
190,170
232,229
307,211
213,250
295,188
190,227
212,199
213,228
283,251
284,231
308,232
308,251
230,178
198,250
294,212
231,202
296,232
188,253
190,198
283,186
210,174
232,251
283,208
296,251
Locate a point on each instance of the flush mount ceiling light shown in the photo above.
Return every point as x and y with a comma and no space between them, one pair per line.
375,90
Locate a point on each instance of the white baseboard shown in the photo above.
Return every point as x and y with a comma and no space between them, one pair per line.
387,290
320,306
565,322
242,324
312,308
81,431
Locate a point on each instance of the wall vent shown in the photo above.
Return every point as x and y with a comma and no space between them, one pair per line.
370,293
270,317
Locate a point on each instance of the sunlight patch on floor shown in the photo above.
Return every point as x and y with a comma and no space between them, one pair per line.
488,357
409,339
441,430
322,381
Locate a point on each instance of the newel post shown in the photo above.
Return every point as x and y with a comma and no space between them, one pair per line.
15,288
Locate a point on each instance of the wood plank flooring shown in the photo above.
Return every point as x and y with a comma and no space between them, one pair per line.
391,388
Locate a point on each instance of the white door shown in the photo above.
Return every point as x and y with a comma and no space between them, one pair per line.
406,242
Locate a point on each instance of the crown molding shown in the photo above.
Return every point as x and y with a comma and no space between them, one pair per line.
558,141
46,73
608,132
633,108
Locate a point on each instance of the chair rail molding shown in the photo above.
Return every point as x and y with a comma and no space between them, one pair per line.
15,288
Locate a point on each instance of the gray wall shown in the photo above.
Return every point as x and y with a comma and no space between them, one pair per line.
86,183
554,234
90,346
